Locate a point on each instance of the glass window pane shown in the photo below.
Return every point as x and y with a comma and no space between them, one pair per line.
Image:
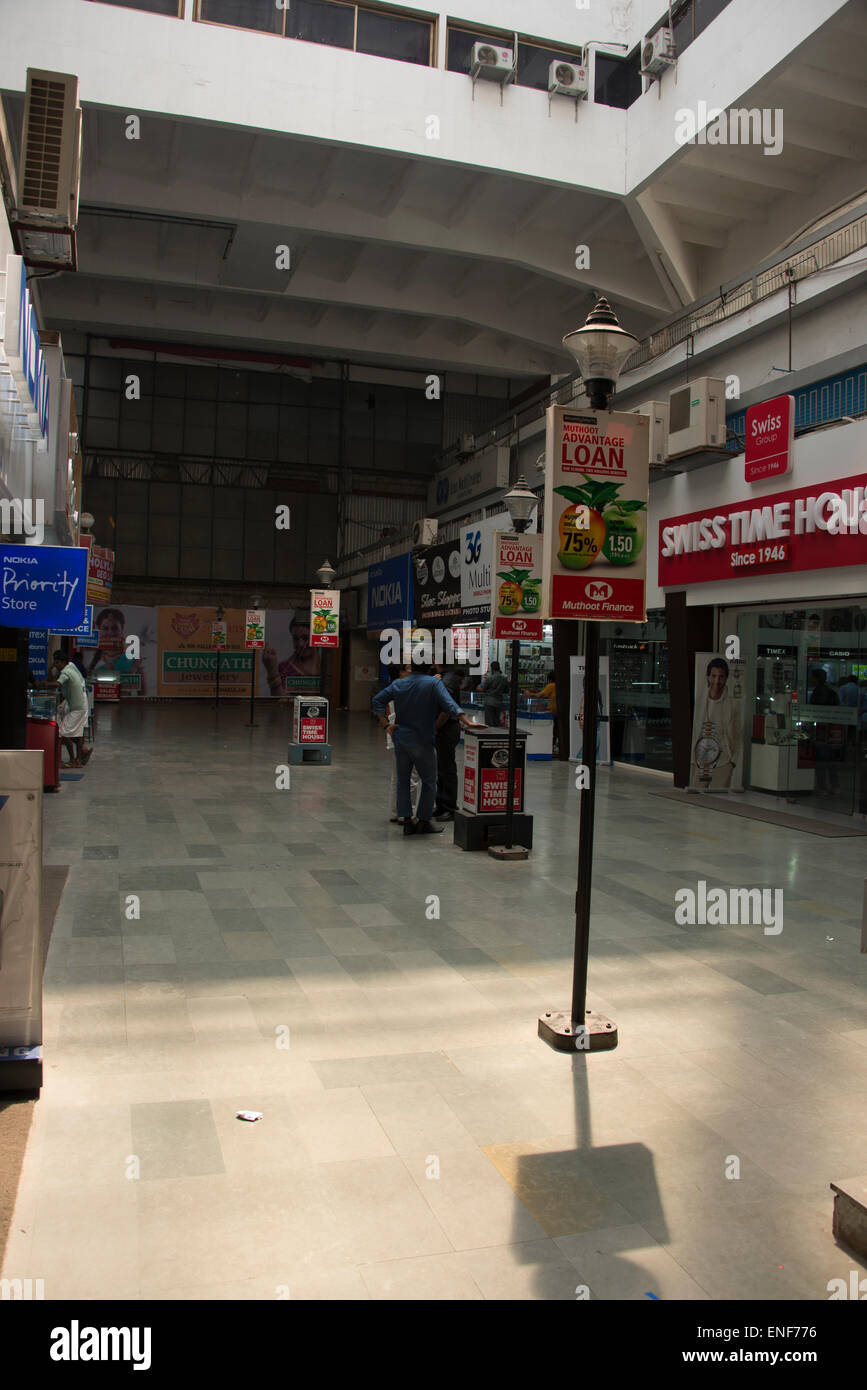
534,64
394,36
244,14
618,80
321,21
460,47
706,12
169,7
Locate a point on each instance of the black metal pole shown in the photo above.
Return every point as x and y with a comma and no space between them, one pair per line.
585,828
252,724
217,701
513,739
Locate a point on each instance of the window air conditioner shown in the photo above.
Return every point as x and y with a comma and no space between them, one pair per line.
657,413
569,79
48,176
697,417
658,53
492,63
46,212
424,531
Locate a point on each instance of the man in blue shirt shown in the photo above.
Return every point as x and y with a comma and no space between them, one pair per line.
419,699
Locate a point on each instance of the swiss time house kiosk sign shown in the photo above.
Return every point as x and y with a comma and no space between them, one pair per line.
596,488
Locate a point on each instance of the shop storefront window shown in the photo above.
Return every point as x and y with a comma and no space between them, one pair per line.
807,691
640,696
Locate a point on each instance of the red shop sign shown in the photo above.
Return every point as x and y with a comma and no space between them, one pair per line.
770,430
823,526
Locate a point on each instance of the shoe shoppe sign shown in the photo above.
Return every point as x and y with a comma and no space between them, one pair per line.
822,526
597,479
438,585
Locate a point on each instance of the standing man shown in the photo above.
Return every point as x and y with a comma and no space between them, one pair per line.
73,710
448,734
492,690
418,700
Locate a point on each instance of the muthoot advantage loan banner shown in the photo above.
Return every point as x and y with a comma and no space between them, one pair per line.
596,488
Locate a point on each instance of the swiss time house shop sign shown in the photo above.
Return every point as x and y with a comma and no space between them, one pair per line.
822,526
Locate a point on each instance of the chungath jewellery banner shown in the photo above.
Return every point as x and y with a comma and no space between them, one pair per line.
822,526
597,479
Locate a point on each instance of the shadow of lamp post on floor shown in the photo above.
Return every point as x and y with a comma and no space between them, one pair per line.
520,503
601,349
219,620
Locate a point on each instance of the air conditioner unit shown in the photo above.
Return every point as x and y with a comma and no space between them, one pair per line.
569,79
50,148
424,531
49,173
658,53
493,63
697,417
657,413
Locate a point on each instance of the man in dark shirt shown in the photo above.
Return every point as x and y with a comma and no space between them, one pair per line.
418,700
448,734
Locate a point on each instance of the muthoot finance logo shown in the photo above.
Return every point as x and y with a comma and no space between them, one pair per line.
597,591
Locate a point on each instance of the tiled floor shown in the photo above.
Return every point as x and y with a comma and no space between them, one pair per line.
418,1140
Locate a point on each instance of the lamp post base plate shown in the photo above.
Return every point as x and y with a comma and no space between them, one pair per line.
599,1034
508,852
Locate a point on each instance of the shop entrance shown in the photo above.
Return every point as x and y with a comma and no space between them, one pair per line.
807,694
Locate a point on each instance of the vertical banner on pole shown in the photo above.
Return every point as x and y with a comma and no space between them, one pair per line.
219,636
516,582
324,617
597,480
254,628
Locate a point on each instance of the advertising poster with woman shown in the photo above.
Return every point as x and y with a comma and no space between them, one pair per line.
717,750
137,675
289,665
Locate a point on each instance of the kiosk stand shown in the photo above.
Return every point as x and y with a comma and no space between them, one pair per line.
309,731
21,948
480,820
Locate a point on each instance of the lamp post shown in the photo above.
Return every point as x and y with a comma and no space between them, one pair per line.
326,574
219,620
600,349
520,502
255,602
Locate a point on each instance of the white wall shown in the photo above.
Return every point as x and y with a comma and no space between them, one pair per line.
139,63
836,452
828,335
16,455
